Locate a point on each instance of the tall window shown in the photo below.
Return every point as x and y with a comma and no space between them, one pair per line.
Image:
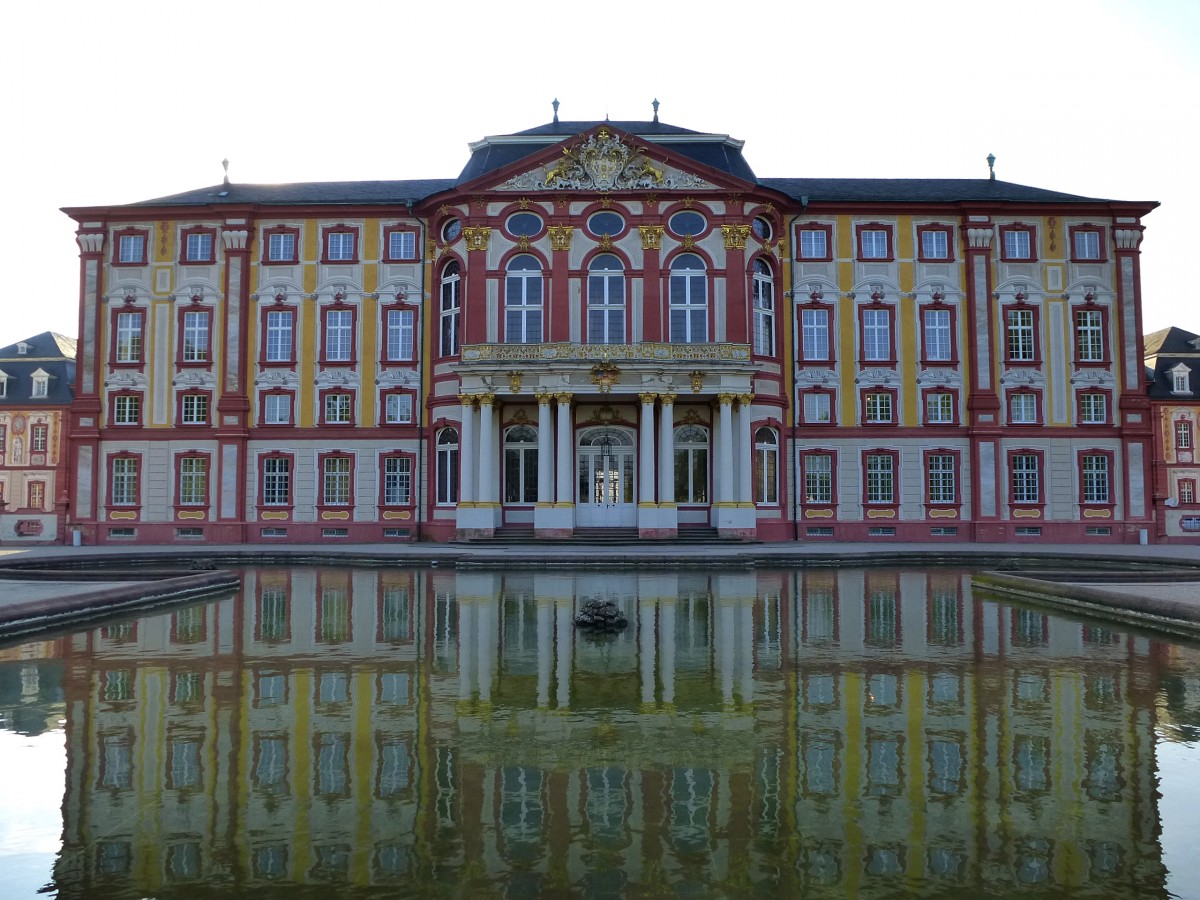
1086,244
37,494
1016,243
199,247
397,481
277,408
817,407
520,465
125,482
339,335
877,408
1089,334
1094,476
38,438
402,245
877,335
689,300
280,329
277,481
881,478
339,246
1025,471
193,481
691,464
335,481
818,478
523,301
399,325
814,330
447,466
1022,408
764,309
193,409
606,300
397,409
129,337
127,409
936,334
766,464
1183,435
1093,408
281,247
935,243
940,478
131,249
195,335
814,243
1020,330
939,408
451,309
873,243
339,409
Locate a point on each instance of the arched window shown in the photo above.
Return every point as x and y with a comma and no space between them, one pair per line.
451,308
689,300
447,466
520,465
766,466
523,301
764,310
691,464
606,300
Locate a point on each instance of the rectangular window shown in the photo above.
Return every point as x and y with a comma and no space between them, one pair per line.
878,408
1016,244
1026,478
398,409
935,243
874,243
937,335
877,335
277,409
199,247
881,483
280,329
1187,490
194,409
1020,331
1093,409
131,249
814,329
1179,380
818,478
402,245
397,481
41,386
339,335
940,478
1089,335
38,438
37,494
339,409
817,408
281,247
127,409
814,243
129,337
339,246
124,481
939,408
195,335
335,481
277,481
1183,435
1086,245
399,334
1022,408
1094,475
193,481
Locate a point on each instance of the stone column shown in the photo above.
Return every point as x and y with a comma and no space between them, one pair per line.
487,452
565,496
545,451
666,456
745,452
646,446
725,449
467,457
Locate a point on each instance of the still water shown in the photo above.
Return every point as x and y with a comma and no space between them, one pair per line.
428,733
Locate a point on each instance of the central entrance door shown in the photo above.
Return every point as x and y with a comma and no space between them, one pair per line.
605,482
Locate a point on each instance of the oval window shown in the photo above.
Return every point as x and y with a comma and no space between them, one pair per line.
603,223
688,223
524,224
761,228
451,230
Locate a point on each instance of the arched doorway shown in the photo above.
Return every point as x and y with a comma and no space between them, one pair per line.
606,479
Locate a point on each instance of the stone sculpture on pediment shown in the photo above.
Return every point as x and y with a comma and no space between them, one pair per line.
811,377
277,378
125,380
876,376
396,378
194,378
939,377
1092,377
1025,377
337,378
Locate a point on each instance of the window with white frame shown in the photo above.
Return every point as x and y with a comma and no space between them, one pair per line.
280,327
281,246
939,408
3,384
40,384
1025,472
1019,331
1093,408
817,409
339,246
1089,335
125,483
399,327
878,408
1087,244
1183,435
131,249
877,335
129,337
276,481
936,335
766,465
339,409
1094,472
339,335
199,246
195,335
764,309
1181,380
402,245
193,480
523,301
37,495
935,243
451,308
818,478
1016,243
335,481
606,300
814,330
127,409
447,466
874,243
194,409
814,243
277,409
397,481
39,438
398,409
691,464
940,478
881,478
1022,408
1187,490
689,300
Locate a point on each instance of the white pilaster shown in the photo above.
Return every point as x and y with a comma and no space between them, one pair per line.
487,451
745,452
725,448
646,448
545,452
666,457
467,457
565,496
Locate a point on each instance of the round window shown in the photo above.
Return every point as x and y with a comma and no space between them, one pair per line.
761,228
688,223
524,224
603,223
451,230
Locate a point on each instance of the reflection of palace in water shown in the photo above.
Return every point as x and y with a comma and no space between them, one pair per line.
864,731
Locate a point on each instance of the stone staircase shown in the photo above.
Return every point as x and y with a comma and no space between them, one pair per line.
523,534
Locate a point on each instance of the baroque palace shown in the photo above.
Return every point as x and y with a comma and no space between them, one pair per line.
612,325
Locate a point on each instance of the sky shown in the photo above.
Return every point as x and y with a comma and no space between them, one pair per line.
133,99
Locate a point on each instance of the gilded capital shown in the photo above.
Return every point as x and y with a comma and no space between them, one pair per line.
560,236
651,236
745,399
668,397
735,236
564,396
487,399
648,398
467,400
543,398
726,399
477,237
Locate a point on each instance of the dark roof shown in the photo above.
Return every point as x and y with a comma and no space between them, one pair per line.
642,129
1170,341
391,193
1166,349
52,353
917,190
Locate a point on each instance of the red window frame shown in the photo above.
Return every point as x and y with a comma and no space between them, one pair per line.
894,503
884,582
180,399
383,397
267,260
832,503
262,407
937,306
923,230
926,393
1008,471
126,310
261,468
956,502
384,343
1106,357
351,230
1012,229
1110,474
278,307
144,233
185,259
341,583
826,582
112,409
192,309
866,392
827,228
136,506
831,330
1102,244
412,484
322,458
1037,406
208,480
388,231
1188,484
876,306
831,394
1020,306
1183,427
338,306
37,486
890,236
39,438
353,394
1106,397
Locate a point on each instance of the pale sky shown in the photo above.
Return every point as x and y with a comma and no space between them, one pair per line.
132,99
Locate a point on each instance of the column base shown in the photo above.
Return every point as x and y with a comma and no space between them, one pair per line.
734,522
658,521
554,522
476,521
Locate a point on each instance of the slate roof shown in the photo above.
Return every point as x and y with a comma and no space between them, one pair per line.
1166,349
917,190
54,354
325,193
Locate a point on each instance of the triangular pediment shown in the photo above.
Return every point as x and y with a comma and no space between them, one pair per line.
606,159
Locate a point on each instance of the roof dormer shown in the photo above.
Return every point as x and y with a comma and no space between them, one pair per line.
22,348
3,383
41,383
1181,380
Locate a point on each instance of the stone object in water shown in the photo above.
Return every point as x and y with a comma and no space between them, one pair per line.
601,615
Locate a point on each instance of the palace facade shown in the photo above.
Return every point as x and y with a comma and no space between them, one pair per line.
1173,373
612,325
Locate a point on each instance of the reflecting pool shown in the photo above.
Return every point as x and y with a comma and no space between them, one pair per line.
331,732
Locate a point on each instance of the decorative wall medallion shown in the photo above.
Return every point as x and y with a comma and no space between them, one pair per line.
603,162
